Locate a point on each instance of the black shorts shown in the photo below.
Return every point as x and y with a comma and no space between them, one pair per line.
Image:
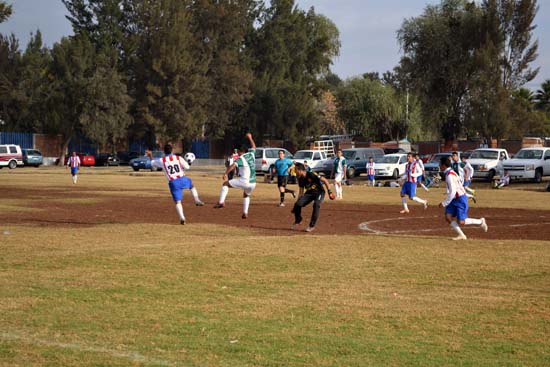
282,181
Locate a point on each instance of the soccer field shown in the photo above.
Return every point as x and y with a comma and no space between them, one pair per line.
101,274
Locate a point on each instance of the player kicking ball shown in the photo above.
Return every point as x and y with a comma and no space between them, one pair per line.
456,202
311,190
173,167
246,180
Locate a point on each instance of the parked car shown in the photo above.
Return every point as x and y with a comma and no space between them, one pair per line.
529,163
356,160
124,157
10,156
144,162
315,159
432,167
487,162
32,157
106,159
85,159
266,157
391,165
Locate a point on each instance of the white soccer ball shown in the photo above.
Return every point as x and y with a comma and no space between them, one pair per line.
189,158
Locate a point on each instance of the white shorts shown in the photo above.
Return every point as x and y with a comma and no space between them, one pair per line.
338,177
243,184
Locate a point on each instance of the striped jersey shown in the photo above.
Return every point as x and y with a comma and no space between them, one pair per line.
172,165
412,171
246,164
74,161
370,168
339,164
454,186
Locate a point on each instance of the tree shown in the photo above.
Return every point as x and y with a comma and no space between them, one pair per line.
290,50
542,97
104,116
11,97
371,109
509,26
171,88
71,66
35,84
5,11
221,28
439,64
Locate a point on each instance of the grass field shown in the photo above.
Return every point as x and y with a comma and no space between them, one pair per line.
146,294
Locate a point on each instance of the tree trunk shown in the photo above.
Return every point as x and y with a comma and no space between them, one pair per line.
64,147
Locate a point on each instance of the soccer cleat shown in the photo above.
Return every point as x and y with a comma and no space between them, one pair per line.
219,205
460,238
484,225
474,199
404,211
199,203
426,205
281,204
244,216
182,221
294,226
293,194
310,229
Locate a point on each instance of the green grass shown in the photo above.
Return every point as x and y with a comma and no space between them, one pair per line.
210,295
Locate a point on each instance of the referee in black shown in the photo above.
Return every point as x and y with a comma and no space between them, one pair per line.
311,189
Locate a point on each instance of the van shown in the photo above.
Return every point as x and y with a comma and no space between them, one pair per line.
356,160
265,158
10,156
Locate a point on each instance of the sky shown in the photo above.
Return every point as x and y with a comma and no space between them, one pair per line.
367,30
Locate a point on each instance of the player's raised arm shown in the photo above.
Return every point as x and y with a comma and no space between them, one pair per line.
249,137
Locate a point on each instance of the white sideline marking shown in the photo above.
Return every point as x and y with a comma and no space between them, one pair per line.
366,226
132,356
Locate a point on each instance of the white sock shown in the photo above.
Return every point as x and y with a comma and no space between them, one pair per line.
456,227
373,183
179,209
246,204
404,201
223,194
418,200
470,221
195,194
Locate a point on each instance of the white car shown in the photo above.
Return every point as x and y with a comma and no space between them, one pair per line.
265,158
529,163
487,162
391,165
10,156
315,159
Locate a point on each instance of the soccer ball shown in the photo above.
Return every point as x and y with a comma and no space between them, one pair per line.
189,157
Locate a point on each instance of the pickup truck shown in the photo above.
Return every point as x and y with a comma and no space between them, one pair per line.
529,163
315,159
487,162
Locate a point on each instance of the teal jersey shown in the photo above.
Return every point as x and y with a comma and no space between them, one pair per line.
247,166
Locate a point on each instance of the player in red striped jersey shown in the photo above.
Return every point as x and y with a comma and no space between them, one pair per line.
174,168
456,202
74,163
412,171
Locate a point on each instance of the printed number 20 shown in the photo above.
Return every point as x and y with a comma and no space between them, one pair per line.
173,169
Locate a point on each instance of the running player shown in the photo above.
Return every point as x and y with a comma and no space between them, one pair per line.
339,170
412,171
74,163
282,167
456,202
468,176
311,189
174,168
246,180
371,166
